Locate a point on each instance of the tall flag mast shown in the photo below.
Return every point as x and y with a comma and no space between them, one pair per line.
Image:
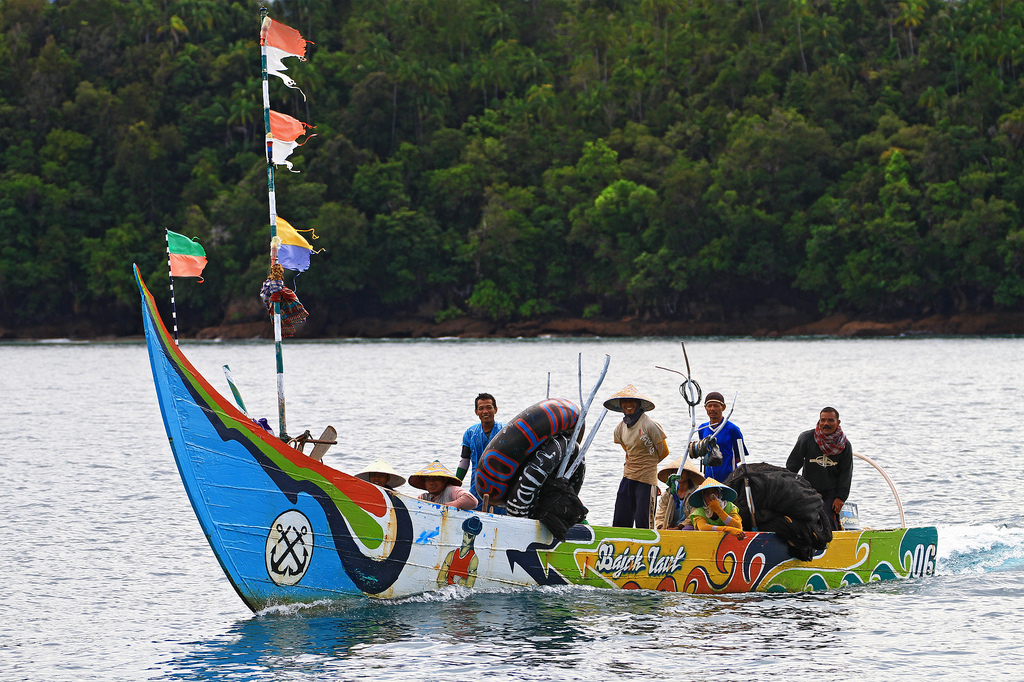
276,42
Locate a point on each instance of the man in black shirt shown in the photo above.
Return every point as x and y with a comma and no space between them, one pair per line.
826,457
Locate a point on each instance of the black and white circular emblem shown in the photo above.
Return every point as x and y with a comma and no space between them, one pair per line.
289,547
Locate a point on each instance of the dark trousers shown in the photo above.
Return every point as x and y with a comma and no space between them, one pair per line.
633,504
832,516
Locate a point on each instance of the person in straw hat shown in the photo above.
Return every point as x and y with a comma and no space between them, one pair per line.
442,487
643,440
713,509
674,508
380,473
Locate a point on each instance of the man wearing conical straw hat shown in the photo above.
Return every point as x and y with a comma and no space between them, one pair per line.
380,473
673,506
644,442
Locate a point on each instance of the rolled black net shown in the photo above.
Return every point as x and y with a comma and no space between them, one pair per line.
785,504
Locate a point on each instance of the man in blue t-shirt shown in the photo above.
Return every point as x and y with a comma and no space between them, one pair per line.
714,405
476,438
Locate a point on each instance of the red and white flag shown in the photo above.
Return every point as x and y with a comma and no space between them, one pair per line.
285,130
285,127
280,41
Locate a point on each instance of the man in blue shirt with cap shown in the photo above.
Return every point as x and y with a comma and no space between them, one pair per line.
714,405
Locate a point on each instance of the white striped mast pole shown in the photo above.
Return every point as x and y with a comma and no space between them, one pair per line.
274,241
174,310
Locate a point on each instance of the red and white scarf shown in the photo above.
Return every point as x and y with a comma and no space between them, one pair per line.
830,445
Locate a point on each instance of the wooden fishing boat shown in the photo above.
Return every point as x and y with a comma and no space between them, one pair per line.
288,528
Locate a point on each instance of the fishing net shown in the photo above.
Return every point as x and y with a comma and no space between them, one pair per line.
785,504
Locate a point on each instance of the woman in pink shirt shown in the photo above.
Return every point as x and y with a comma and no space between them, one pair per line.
442,487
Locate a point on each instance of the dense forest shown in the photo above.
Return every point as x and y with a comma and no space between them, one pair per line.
672,159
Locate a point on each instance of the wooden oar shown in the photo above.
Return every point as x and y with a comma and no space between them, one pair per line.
320,445
323,443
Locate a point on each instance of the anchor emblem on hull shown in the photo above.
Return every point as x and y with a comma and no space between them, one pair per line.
289,547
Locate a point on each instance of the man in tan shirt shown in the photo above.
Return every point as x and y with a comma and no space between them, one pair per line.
643,440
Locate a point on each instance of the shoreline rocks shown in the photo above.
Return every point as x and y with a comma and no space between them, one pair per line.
839,326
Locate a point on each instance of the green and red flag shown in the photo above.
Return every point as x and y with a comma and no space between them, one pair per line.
185,256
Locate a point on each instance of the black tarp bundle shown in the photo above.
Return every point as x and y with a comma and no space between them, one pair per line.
559,507
785,504
538,493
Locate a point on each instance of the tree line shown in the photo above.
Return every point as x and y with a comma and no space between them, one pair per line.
676,159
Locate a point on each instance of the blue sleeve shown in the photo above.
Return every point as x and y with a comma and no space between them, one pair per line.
738,435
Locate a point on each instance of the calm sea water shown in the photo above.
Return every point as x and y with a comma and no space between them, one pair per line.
108,576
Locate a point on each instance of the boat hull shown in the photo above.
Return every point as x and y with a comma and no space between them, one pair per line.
287,528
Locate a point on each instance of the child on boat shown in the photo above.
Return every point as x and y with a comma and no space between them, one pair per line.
713,509
674,509
380,473
442,487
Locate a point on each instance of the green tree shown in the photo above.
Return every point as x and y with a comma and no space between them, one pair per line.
409,249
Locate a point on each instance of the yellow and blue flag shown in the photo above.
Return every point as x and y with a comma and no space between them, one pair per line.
293,253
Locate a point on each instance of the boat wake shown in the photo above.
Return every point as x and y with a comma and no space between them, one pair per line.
449,593
321,607
458,592
979,549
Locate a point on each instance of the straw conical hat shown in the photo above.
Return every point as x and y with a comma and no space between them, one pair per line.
381,467
690,470
696,498
436,469
629,392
